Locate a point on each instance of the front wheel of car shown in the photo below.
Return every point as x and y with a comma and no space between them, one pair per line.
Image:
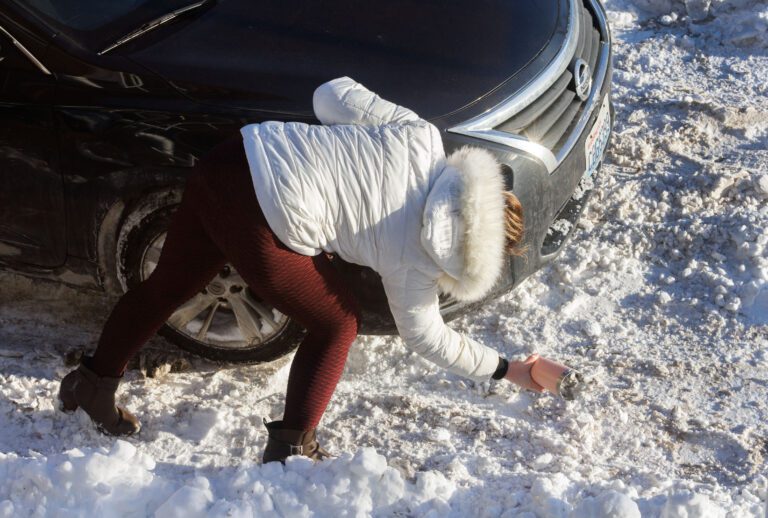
225,320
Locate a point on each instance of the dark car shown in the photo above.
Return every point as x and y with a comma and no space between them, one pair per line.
106,106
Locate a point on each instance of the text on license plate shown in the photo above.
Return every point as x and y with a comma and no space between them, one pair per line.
597,139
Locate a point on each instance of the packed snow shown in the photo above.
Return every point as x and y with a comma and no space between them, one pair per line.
660,299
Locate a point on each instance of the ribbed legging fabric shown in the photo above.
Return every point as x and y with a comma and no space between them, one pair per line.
219,221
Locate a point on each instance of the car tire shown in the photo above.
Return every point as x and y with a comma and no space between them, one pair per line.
137,246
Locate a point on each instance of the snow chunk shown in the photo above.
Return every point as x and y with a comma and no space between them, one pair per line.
610,504
543,460
762,183
592,329
122,450
690,505
368,463
187,502
439,435
432,485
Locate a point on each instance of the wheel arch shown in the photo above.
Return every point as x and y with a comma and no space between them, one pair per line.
114,224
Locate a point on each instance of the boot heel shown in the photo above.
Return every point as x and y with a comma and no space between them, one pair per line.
67,402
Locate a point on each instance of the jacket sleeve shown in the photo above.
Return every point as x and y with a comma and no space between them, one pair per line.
345,101
413,300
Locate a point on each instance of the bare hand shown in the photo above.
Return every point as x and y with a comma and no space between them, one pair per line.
519,373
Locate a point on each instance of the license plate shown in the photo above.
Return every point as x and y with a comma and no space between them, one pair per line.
597,139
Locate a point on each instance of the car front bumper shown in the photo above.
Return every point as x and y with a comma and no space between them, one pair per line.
546,182
552,204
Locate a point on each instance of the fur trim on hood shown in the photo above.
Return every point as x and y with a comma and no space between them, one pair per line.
481,209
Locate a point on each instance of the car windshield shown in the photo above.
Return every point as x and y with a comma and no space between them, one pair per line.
85,16
96,23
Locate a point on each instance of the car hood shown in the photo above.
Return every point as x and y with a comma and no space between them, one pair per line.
433,57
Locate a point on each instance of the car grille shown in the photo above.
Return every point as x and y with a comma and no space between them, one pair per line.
551,118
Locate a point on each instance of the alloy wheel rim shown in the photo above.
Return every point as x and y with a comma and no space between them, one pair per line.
225,314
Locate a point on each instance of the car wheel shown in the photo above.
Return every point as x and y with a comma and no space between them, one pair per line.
225,321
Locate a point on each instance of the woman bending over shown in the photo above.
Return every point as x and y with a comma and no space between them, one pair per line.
373,185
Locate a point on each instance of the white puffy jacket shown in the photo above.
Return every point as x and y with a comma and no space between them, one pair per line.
373,185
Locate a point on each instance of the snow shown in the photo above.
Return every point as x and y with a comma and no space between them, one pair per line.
738,23
660,299
121,482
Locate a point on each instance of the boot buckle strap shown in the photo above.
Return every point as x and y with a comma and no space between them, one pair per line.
297,449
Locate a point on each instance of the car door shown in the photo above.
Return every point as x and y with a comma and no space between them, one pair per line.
32,222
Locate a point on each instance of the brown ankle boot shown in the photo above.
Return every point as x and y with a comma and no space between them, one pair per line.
283,443
96,395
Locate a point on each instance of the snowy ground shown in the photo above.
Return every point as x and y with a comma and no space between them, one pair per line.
661,299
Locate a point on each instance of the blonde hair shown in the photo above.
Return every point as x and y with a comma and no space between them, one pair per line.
514,225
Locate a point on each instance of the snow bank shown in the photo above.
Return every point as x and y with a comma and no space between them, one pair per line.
80,483
121,482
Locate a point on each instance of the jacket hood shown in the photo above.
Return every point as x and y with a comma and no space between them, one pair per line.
463,223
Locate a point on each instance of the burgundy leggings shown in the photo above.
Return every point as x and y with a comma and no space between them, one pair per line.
219,221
